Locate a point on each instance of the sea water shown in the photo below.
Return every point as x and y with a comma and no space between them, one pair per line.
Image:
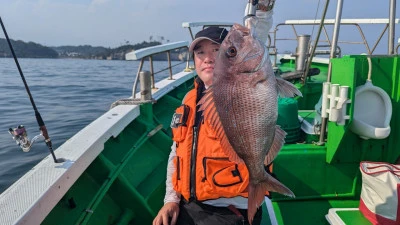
68,93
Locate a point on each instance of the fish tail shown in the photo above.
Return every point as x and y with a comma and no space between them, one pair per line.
257,194
256,197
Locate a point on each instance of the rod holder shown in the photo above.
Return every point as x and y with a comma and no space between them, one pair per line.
334,103
326,89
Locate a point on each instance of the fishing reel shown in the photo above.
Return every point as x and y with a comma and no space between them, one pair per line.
20,136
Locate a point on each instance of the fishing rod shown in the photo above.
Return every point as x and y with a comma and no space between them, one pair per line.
19,134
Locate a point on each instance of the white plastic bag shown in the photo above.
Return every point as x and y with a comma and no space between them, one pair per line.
380,193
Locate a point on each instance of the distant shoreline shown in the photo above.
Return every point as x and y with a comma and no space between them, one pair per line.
33,50
61,58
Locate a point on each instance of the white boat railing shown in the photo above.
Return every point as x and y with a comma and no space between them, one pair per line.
149,52
330,22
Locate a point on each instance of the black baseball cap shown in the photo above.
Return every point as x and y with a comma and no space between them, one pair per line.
214,34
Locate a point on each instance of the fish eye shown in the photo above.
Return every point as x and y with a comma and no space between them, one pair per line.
231,52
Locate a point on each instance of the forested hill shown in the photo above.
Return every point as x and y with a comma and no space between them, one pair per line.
90,52
26,50
34,50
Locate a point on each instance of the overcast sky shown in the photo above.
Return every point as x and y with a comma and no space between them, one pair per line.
110,23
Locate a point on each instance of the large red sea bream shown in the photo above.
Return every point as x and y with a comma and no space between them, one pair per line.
242,106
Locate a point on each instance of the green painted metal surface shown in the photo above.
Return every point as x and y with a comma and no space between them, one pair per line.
312,87
328,176
353,71
353,217
126,182
288,119
310,212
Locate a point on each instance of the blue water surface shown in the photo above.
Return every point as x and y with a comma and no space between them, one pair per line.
69,94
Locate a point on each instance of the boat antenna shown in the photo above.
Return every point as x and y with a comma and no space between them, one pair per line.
20,132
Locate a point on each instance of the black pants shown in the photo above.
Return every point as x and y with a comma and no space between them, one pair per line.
196,213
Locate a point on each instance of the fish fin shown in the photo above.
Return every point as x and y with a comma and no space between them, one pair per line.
274,185
210,114
257,193
279,140
255,199
287,89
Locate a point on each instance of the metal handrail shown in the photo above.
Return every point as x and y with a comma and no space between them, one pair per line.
351,22
149,52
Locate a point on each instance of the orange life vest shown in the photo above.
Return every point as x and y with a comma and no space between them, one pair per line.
203,171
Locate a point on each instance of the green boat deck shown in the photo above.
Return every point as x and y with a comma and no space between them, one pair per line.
126,182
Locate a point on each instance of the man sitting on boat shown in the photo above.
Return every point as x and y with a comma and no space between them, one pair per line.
197,155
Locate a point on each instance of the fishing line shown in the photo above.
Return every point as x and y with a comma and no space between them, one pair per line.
315,17
314,47
169,67
42,126
312,34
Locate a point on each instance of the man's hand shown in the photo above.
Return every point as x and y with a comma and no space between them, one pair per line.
169,210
